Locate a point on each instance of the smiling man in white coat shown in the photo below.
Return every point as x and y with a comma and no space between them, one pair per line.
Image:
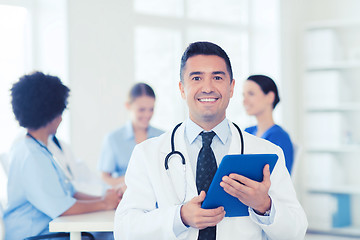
163,197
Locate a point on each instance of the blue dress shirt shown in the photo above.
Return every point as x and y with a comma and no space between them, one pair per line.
117,149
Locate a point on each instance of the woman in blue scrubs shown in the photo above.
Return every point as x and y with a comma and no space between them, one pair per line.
260,99
38,189
119,144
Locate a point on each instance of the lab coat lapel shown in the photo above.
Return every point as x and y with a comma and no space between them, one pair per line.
235,147
177,174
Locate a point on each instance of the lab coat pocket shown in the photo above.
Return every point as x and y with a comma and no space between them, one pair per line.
232,228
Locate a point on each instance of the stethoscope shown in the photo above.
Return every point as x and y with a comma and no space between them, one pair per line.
174,152
68,174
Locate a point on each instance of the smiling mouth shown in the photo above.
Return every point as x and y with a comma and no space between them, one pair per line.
207,99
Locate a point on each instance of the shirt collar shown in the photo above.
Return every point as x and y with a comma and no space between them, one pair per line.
129,131
192,130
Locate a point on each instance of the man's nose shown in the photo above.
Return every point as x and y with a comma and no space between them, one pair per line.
208,85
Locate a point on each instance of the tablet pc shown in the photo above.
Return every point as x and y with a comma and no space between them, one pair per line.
248,165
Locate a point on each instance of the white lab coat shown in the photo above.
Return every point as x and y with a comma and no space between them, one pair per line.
149,204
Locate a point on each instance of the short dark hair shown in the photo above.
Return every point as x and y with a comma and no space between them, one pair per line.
267,85
37,99
139,90
204,48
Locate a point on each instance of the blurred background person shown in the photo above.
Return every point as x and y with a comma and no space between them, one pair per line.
39,189
119,144
260,99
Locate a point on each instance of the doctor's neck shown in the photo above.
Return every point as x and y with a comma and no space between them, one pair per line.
207,123
41,134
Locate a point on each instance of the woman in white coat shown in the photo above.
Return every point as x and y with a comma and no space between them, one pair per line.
153,206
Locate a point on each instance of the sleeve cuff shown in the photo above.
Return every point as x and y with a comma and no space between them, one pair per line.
265,220
179,226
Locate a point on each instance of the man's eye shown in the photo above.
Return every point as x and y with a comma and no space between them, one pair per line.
217,78
196,78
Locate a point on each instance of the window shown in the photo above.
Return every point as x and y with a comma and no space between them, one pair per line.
32,38
14,36
13,29
26,47
163,31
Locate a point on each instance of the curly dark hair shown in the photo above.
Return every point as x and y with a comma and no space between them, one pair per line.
37,99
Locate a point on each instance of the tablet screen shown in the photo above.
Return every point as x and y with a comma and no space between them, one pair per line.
248,165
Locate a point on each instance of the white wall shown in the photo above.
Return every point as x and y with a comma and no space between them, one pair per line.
291,72
100,71
49,49
291,65
265,48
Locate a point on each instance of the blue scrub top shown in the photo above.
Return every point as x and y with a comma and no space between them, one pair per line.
37,191
117,149
280,137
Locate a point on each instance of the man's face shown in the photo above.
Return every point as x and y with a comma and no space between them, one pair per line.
206,88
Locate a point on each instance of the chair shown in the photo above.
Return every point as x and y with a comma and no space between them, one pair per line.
2,227
3,178
60,235
3,175
4,163
297,173
296,163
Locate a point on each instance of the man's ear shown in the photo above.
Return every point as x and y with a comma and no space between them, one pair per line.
232,88
182,90
127,105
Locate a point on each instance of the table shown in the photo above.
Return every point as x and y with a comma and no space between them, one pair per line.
102,221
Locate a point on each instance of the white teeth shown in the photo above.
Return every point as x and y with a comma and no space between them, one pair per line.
207,100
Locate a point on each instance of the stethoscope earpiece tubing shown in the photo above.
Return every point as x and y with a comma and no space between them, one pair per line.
241,138
173,152
173,149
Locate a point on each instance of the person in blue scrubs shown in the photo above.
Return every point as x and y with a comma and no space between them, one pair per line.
119,144
260,99
38,188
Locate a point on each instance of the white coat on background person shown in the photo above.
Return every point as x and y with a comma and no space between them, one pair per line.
83,179
152,208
